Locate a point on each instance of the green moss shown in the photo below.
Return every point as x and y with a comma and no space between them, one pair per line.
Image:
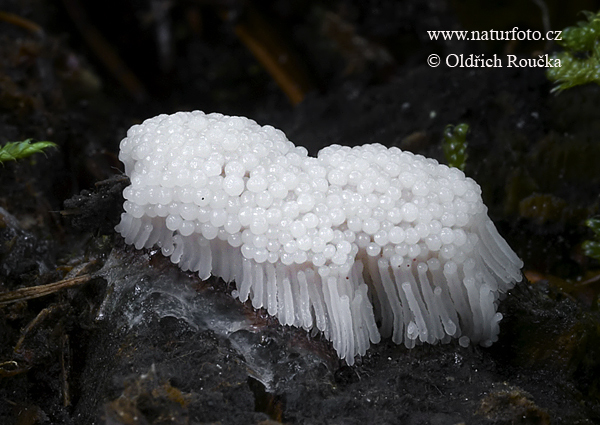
580,61
455,145
591,248
584,36
13,151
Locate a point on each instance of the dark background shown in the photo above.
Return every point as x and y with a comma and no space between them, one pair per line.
116,350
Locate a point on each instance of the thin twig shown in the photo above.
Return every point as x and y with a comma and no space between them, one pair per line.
19,21
65,365
42,315
104,50
545,20
42,290
269,48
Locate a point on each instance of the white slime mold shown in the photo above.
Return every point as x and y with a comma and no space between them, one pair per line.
359,242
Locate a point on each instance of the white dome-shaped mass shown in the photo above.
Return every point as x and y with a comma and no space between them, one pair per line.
360,242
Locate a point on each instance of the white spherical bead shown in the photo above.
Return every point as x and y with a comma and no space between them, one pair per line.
233,185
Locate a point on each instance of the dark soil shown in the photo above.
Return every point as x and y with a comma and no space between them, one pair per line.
141,342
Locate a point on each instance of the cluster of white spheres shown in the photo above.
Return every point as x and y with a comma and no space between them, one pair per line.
360,242
228,177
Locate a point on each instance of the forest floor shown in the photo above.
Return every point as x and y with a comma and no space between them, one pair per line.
125,337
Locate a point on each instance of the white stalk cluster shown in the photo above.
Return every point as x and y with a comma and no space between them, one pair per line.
360,242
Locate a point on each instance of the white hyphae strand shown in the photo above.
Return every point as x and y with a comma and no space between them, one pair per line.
358,242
